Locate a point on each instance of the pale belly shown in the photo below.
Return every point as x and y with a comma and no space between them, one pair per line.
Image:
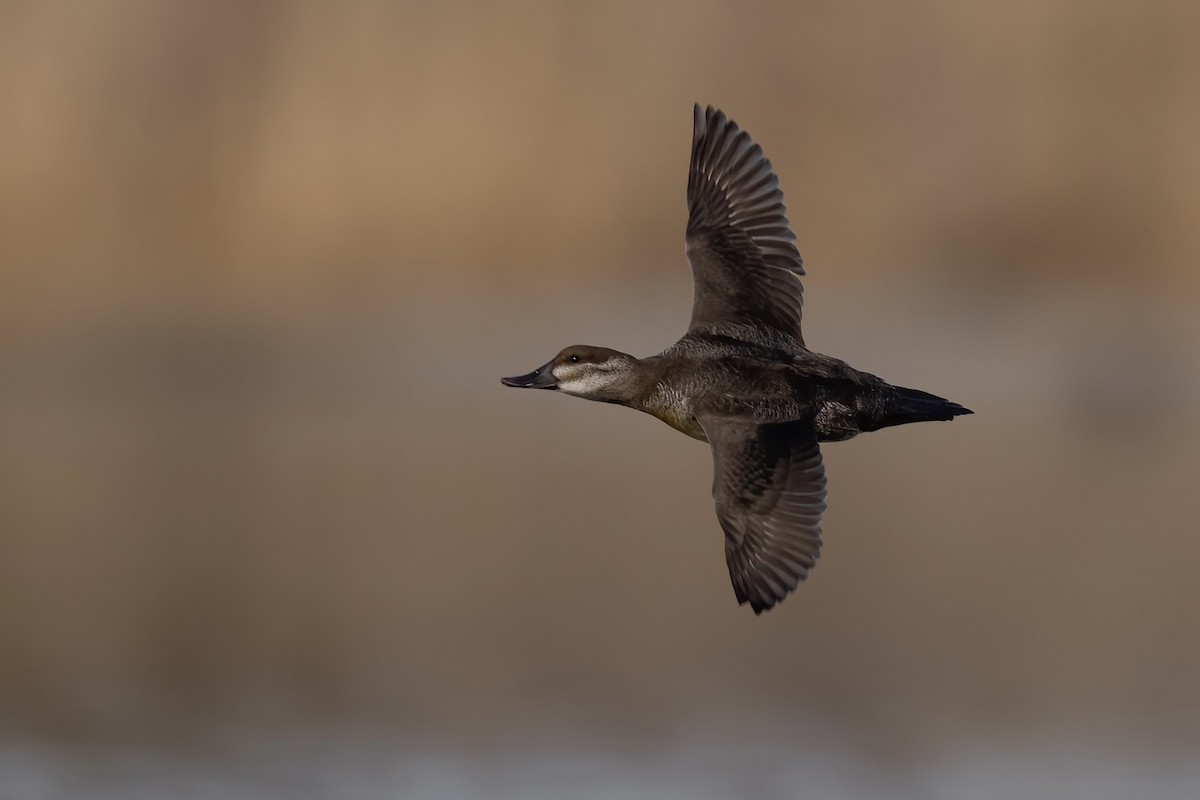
683,422
834,422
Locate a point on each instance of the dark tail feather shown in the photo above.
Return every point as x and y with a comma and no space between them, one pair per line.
913,405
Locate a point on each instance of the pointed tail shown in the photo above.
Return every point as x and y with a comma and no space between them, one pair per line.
913,405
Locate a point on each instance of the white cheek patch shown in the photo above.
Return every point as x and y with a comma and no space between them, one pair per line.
588,383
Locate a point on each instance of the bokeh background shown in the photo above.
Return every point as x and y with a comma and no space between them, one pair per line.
270,526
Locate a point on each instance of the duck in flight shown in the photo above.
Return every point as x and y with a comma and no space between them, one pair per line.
741,378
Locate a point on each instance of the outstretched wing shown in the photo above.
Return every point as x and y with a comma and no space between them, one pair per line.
745,266
769,488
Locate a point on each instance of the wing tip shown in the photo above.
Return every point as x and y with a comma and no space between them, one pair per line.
761,603
758,604
759,608
756,589
708,119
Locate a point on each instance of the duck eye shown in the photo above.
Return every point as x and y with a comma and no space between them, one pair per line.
574,359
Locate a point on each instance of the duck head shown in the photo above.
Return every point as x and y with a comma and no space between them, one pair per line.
596,373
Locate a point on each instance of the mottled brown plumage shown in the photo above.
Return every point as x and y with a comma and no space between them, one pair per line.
741,378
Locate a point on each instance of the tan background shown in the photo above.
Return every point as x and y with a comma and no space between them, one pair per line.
263,265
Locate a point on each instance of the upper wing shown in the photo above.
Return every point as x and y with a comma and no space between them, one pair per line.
769,487
745,265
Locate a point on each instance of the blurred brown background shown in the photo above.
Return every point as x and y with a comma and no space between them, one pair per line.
263,265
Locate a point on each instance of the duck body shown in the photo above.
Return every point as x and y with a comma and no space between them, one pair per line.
715,375
718,376
741,378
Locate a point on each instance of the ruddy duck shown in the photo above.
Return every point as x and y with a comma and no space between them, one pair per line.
741,378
